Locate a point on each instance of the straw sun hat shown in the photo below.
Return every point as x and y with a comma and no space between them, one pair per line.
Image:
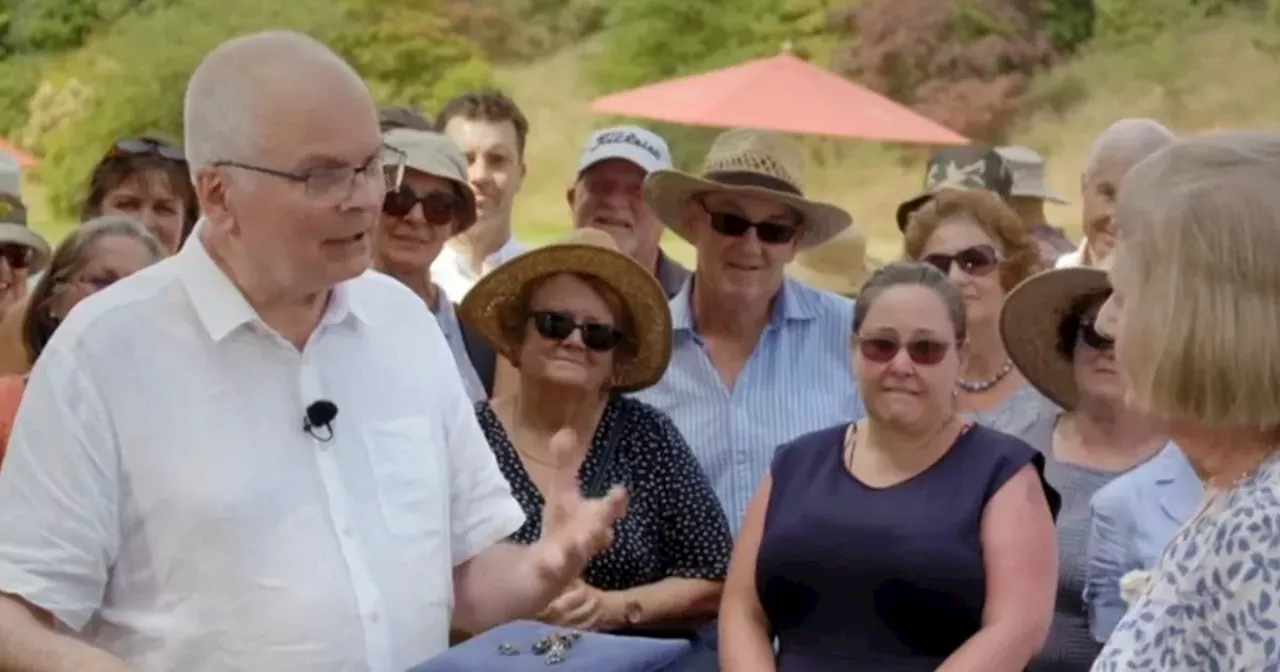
1031,322
590,252
839,266
753,162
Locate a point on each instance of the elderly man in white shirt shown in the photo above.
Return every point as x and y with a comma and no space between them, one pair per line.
179,492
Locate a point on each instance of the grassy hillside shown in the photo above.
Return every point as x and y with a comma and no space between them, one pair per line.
1213,76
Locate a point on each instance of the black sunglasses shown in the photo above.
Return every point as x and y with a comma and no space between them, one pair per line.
135,146
1090,336
730,224
559,326
975,261
17,256
438,208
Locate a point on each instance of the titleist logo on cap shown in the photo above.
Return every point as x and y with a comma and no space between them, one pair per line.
626,138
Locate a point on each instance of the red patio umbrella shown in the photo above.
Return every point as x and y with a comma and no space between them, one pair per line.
784,94
24,159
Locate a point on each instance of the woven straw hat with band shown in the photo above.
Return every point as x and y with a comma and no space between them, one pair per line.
1031,322
747,161
590,252
839,265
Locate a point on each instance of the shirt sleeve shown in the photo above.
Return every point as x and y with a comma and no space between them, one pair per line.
1106,565
482,510
59,491
695,538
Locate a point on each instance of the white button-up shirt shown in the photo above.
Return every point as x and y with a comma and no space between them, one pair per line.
161,497
453,271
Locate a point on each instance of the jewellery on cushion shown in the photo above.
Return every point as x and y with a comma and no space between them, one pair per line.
554,646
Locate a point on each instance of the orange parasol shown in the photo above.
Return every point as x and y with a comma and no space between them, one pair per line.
783,93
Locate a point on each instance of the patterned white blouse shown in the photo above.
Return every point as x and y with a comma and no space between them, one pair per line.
1214,601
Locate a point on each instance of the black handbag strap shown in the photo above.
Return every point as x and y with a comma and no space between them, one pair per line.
596,487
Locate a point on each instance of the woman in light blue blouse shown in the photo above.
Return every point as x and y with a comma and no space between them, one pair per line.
1195,312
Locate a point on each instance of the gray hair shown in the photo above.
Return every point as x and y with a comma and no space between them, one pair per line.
222,95
918,273
1127,142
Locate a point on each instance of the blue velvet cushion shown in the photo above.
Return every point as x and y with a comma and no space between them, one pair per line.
592,652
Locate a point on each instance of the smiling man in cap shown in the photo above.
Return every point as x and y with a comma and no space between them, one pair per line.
608,195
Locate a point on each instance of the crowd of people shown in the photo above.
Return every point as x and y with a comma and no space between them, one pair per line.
293,397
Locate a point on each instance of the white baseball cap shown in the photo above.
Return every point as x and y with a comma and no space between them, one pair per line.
629,143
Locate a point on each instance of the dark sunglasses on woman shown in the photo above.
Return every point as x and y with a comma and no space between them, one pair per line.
922,351
135,146
1090,336
558,326
438,207
975,261
17,256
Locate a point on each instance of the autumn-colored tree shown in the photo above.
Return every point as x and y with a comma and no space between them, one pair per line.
964,63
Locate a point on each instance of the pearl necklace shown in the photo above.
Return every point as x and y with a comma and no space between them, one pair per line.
984,385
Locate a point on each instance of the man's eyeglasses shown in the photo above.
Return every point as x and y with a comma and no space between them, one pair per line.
135,146
439,208
337,184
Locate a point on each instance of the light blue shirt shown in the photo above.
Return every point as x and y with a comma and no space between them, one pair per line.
799,379
1134,518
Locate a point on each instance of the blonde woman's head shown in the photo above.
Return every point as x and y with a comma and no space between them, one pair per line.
1196,307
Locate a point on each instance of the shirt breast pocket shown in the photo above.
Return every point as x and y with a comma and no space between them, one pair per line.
411,475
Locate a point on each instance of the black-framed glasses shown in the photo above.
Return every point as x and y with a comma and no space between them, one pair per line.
338,183
1090,336
975,261
135,146
439,208
558,326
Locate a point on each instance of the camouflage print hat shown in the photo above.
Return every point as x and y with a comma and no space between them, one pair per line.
966,167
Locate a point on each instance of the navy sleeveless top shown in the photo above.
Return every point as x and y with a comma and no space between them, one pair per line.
891,579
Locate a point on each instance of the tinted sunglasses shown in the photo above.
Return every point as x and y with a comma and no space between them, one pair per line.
438,207
17,256
559,326
923,351
975,261
1090,336
135,146
772,233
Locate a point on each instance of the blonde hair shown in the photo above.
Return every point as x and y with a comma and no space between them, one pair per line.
1199,226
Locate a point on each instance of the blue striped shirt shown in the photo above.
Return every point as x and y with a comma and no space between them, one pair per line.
798,380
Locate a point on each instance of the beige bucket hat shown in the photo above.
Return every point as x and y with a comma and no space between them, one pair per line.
13,216
436,154
490,304
1031,325
839,266
747,161
1027,166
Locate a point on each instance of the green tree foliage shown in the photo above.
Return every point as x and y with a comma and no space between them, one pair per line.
131,80
1069,22
650,40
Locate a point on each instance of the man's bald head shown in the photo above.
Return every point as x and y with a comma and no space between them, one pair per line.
246,78
1125,143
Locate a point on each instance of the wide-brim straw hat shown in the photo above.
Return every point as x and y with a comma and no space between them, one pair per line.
753,162
1031,324
590,252
839,266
